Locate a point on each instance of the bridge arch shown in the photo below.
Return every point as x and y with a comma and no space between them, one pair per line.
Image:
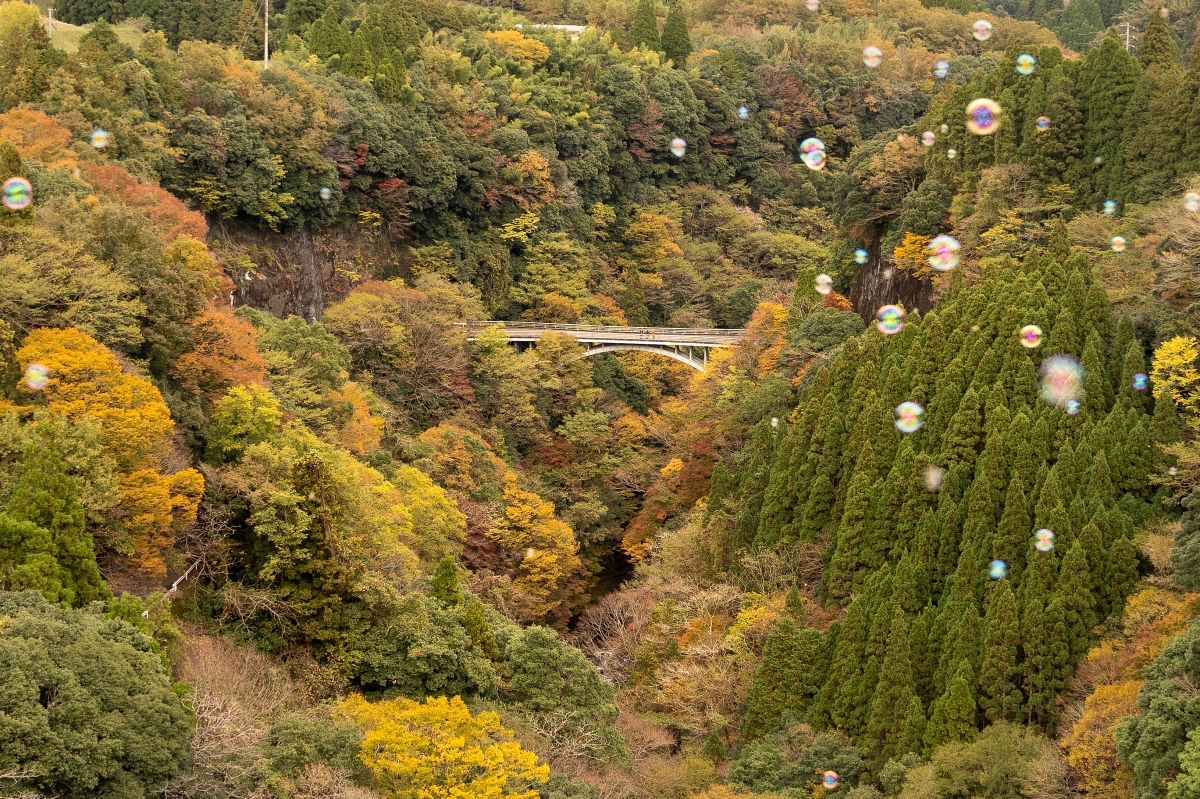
700,365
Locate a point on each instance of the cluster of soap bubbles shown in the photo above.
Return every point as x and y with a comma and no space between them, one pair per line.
1043,539
678,147
823,284
1031,336
1042,123
997,569
325,193
1026,63
927,138
812,153
1062,380
743,112
18,193
943,252
983,116
941,69
872,56
36,377
860,256
99,138
982,30
1110,207
1140,382
890,319
1191,201
909,417
1118,244
830,780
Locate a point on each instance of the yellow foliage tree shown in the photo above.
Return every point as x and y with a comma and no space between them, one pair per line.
912,256
551,551
38,137
520,47
86,381
651,239
360,432
1174,367
437,750
1091,745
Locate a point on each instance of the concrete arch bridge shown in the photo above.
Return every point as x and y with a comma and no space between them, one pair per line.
686,345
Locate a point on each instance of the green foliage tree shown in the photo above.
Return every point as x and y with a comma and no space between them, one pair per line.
644,30
676,41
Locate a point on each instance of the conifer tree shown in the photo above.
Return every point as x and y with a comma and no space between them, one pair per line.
632,299
478,630
953,716
1075,594
1000,696
357,63
644,30
1122,573
774,686
890,703
676,42
1012,534
1164,427
1106,80
444,586
11,167
1156,49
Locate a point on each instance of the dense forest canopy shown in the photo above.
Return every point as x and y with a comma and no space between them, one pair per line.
922,525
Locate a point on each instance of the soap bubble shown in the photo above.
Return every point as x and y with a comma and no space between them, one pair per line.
1139,381
36,377
927,138
1098,160
1072,407
809,145
1044,540
775,422
1031,336
944,128
1043,123
812,5
529,553
678,147
1118,244
1191,201
823,284
997,569
1164,12
908,417
941,69
889,319
1062,380
1026,63
814,160
933,478
983,116
860,256
99,138
872,56
325,193
943,253
1110,207
1172,470
743,112
982,30
952,153
829,780
18,193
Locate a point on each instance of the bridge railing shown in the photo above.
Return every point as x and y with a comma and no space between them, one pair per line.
729,332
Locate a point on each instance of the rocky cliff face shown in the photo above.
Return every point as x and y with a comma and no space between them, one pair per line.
879,283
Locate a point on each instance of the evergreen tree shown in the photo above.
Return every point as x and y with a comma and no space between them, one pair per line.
1079,24
676,42
475,622
1000,696
887,725
842,576
357,63
1075,594
10,167
644,30
1122,573
953,716
1156,49
247,32
632,299
1106,80
444,586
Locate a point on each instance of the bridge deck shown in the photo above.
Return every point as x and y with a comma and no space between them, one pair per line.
589,334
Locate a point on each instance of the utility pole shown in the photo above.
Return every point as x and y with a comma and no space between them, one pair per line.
50,22
266,33
1128,30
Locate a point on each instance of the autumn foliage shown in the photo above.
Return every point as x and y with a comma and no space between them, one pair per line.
169,215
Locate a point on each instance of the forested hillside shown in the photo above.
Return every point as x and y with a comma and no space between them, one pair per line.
273,525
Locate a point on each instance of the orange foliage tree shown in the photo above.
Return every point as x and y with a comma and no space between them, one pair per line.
170,216
38,137
225,354
136,427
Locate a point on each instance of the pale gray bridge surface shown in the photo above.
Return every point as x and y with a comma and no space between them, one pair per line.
687,345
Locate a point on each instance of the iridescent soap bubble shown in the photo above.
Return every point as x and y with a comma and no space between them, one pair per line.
1072,407
1042,123
1139,381
99,138
952,153
933,478
678,147
941,69
823,284
743,112
1098,160
1110,207
943,252
1191,201
830,780
860,256
325,193
1031,336
889,319
1118,244
1062,380
944,128
18,193
997,569
810,144
1026,63
36,377
814,160
927,138
983,116
1172,471
1043,539
908,417
982,30
872,56
812,5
